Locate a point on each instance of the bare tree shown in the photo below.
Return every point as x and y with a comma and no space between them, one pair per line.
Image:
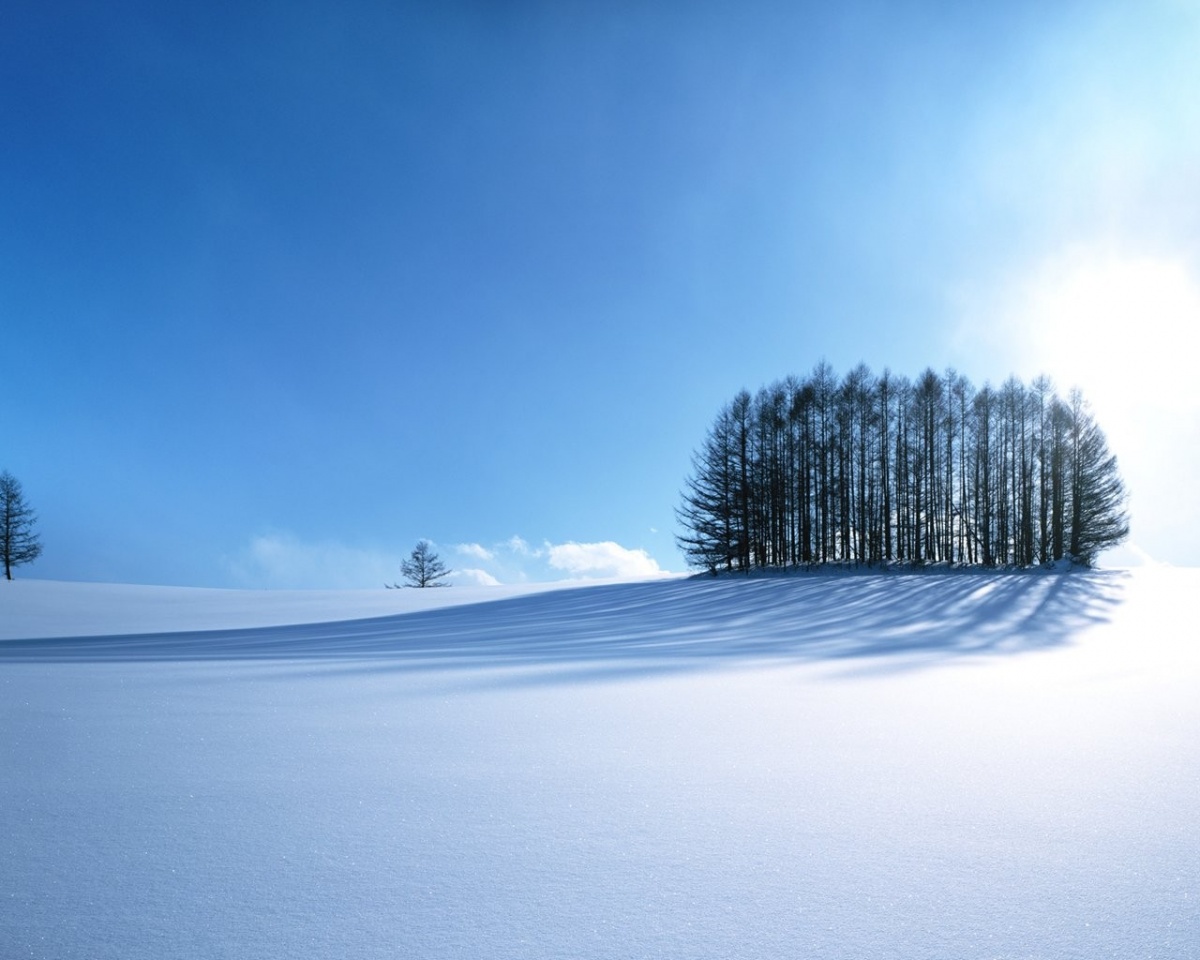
424,568
18,542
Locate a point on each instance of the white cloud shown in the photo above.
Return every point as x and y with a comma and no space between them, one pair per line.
476,550
474,577
518,546
283,561
516,560
605,559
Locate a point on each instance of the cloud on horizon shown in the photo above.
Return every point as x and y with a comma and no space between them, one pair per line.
605,559
473,577
280,560
478,551
515,560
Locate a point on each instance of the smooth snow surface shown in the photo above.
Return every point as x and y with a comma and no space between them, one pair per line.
45,608
939,766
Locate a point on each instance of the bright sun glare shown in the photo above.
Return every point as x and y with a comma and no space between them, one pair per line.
1126,331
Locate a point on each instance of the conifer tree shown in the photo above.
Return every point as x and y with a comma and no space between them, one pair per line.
870,469
424,568
18,542
1098,516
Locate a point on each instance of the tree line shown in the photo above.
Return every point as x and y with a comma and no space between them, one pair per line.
875,469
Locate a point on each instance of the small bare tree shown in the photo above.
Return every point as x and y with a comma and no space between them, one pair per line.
18,543
423,568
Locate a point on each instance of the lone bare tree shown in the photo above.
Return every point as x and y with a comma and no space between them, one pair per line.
424,568
18,542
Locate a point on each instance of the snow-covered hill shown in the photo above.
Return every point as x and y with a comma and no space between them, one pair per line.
44,608
949,766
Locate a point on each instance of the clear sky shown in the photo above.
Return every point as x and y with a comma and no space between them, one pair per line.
285,287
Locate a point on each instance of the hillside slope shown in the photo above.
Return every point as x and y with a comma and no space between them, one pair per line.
944,766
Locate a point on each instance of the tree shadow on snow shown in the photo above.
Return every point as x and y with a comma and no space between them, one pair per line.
898,620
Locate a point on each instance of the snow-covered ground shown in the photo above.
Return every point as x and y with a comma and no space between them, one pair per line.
43,608
933,766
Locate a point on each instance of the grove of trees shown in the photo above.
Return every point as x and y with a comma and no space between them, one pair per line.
880,469
18,542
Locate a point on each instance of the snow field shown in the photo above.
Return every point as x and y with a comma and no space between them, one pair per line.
946,766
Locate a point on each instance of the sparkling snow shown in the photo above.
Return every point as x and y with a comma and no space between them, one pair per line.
938,766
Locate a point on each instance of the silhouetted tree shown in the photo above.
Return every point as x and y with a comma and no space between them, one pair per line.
707,511
18,542
1098,517
870,469
424,568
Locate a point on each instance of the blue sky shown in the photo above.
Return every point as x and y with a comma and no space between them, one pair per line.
286,287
